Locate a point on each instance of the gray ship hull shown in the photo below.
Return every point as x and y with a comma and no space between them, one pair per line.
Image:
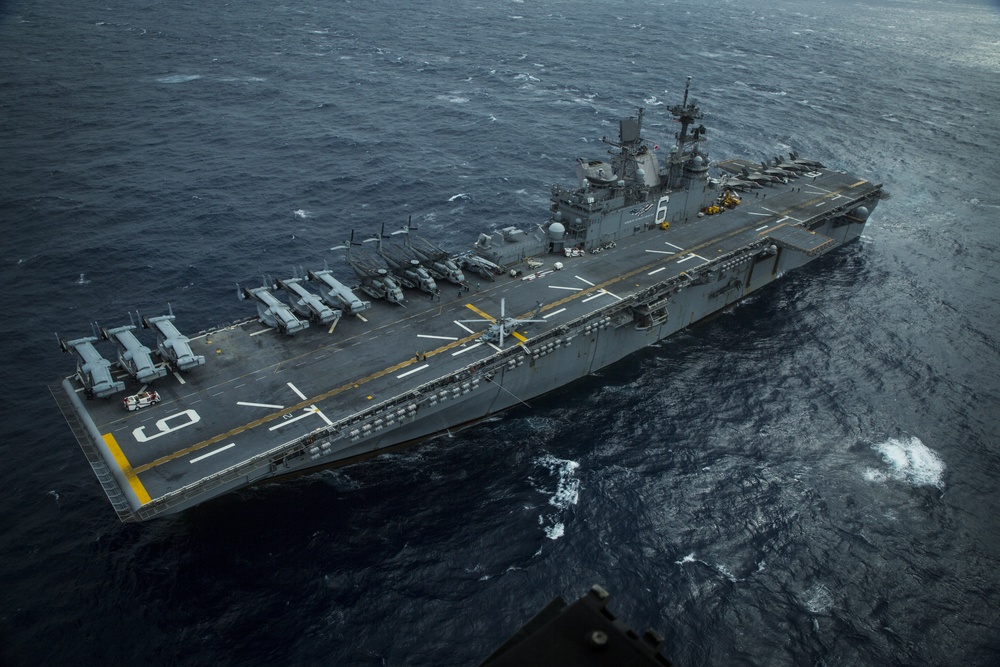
266,405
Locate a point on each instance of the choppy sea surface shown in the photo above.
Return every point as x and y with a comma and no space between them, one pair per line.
809,479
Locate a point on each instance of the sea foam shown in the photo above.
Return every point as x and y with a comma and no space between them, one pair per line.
910,461
566,494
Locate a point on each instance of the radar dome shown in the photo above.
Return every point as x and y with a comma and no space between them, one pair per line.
860,214
557,231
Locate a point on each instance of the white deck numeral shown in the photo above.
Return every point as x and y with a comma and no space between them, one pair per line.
161,424
661,209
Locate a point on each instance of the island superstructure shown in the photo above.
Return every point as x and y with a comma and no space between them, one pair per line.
639,248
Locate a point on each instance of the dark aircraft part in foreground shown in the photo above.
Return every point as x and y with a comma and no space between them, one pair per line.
582,634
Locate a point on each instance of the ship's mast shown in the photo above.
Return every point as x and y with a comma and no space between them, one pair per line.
686,114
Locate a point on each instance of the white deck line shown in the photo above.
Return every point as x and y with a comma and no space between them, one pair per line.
412,371
554,312
321,415
308,413
437,337
662,268
296,390
691,256
260,405
466,349
584,280
213,452
571,289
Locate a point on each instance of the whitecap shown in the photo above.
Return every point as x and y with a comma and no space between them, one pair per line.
910,461
82,280
460,195
302,213
178,78
817,600
565,495
556,531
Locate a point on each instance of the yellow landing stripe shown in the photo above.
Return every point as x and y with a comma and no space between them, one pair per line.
116,451
854,185
519,336
480,313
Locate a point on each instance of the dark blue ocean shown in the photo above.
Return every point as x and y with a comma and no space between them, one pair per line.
808,479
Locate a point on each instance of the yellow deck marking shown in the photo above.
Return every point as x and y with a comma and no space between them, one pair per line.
854,185
480,313
519,336
116,451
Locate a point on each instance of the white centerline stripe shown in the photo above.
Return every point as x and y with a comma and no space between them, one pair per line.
260,405
463,326
596,295
680,249
213,452
662,268
764,214
571,289
296,390
584,280
257,333
762,227
360,317
662,252
554,312
437,337
466,349
179,378
412,371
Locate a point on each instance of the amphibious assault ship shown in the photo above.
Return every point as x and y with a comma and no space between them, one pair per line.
639,248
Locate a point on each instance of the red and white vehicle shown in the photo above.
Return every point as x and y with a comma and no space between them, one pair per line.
141,400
